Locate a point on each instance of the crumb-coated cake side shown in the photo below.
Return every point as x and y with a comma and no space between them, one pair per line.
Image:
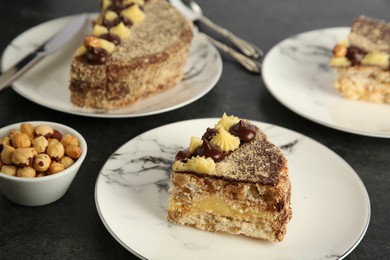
362,62
232,180
137,48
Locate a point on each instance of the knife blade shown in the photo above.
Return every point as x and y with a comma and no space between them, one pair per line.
51,45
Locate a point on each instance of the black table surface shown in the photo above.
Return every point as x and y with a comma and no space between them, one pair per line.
71,228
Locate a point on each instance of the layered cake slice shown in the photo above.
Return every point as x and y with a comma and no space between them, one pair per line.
136,48
232,180
362,61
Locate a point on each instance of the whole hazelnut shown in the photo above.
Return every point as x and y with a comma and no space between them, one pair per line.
42,162
73,151
26,172
69,139
55,150
9,170
5,140
20,140
13,132
44,130
23,156
67,161
6,154
54,168
27,129
40,144
339,50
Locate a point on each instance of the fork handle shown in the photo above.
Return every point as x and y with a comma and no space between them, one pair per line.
246,47
245,61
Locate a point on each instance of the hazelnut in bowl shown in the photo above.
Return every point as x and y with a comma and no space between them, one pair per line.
38,161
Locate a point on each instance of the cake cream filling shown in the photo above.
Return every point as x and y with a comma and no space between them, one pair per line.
340,59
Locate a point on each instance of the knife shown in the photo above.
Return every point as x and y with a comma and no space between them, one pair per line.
55,42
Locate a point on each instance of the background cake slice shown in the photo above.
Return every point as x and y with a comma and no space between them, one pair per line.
137,48
232,180
362,62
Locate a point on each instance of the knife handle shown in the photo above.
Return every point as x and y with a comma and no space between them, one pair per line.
13,73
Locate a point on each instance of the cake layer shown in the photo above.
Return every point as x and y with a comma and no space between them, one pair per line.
367,83
370,34
217,204
152,59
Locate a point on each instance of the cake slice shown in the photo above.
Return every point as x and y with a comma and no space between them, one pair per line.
136,48
232,180
362,61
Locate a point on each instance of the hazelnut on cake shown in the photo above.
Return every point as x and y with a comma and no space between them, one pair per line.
232,180
136,48
362,61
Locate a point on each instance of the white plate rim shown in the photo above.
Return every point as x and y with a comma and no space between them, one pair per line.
20,88
356,177
278,95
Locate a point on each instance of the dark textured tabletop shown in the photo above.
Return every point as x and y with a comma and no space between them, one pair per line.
71,228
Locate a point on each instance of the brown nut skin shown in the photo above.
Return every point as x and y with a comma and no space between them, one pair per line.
54,168
55,150
23,156
9,170
67,161
69,139
57,135
41,162
73,151
6,154
40,144
26,172
27,129
44,130
20,140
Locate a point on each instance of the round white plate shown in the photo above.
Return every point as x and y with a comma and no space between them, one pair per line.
331,207
297,73
47,83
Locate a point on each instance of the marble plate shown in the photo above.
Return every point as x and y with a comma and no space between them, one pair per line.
331,207
297,73
47,83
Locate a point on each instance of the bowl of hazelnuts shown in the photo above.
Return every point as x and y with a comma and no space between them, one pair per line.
38,161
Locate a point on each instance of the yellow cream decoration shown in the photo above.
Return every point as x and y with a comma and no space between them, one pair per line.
99,30
107,45
121,30
340,62
227,121
194,143
226,141
134,13
110,15
377,59
80,50
106,4
196,164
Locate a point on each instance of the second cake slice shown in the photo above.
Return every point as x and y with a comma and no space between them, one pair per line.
232,180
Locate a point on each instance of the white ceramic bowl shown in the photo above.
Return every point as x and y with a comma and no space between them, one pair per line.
42,190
